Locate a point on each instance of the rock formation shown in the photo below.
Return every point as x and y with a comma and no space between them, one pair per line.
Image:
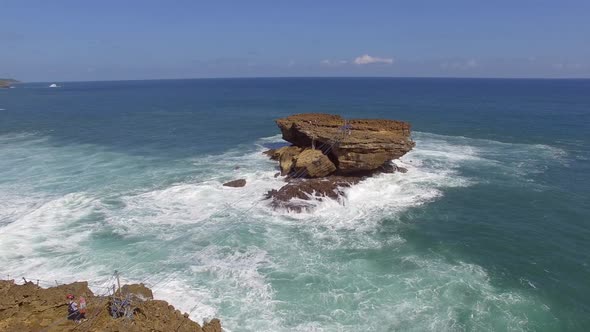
353,145
336,151
31,308
235,183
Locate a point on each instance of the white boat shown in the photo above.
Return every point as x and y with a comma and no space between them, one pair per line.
53,85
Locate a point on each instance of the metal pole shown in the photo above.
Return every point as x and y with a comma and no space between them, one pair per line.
118,282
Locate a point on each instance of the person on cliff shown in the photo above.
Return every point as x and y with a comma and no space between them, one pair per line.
73,311
82,309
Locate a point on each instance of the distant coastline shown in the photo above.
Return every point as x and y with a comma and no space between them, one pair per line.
7,82
221,78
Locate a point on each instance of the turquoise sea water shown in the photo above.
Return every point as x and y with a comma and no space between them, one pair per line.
488,231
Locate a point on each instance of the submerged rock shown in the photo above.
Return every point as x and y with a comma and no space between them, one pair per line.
235,183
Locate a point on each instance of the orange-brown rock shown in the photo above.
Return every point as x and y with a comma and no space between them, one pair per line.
31,308
139,291
329,153
356,145
313,164
287,157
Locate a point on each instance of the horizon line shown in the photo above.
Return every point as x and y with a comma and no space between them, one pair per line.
310,77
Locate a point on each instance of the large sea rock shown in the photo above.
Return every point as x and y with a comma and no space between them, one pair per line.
329,153
355,145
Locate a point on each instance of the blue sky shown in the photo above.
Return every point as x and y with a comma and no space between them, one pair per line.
66,40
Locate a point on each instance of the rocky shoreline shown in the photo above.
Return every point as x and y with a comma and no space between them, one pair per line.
7,82
29,307
328,153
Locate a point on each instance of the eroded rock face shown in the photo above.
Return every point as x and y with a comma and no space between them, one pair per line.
287,157
354,145
313,164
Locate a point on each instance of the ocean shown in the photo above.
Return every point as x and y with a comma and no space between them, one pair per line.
489,230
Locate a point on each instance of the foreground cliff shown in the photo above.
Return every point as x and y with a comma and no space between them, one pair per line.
31,308
328,153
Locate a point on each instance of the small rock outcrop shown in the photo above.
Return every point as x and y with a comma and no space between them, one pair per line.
329,153
305,189
235,183
29,307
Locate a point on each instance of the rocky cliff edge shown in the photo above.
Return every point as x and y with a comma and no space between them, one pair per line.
29,307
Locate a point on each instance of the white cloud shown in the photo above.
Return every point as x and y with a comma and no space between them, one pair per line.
367,60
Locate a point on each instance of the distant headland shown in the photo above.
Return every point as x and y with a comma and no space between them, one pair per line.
7,82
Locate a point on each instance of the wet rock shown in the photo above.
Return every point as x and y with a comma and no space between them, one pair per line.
304,189
235,183
387,168
402,169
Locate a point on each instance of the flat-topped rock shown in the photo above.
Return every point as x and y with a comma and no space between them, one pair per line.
354,145
329,153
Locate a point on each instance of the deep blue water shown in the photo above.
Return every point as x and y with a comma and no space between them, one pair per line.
489,229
